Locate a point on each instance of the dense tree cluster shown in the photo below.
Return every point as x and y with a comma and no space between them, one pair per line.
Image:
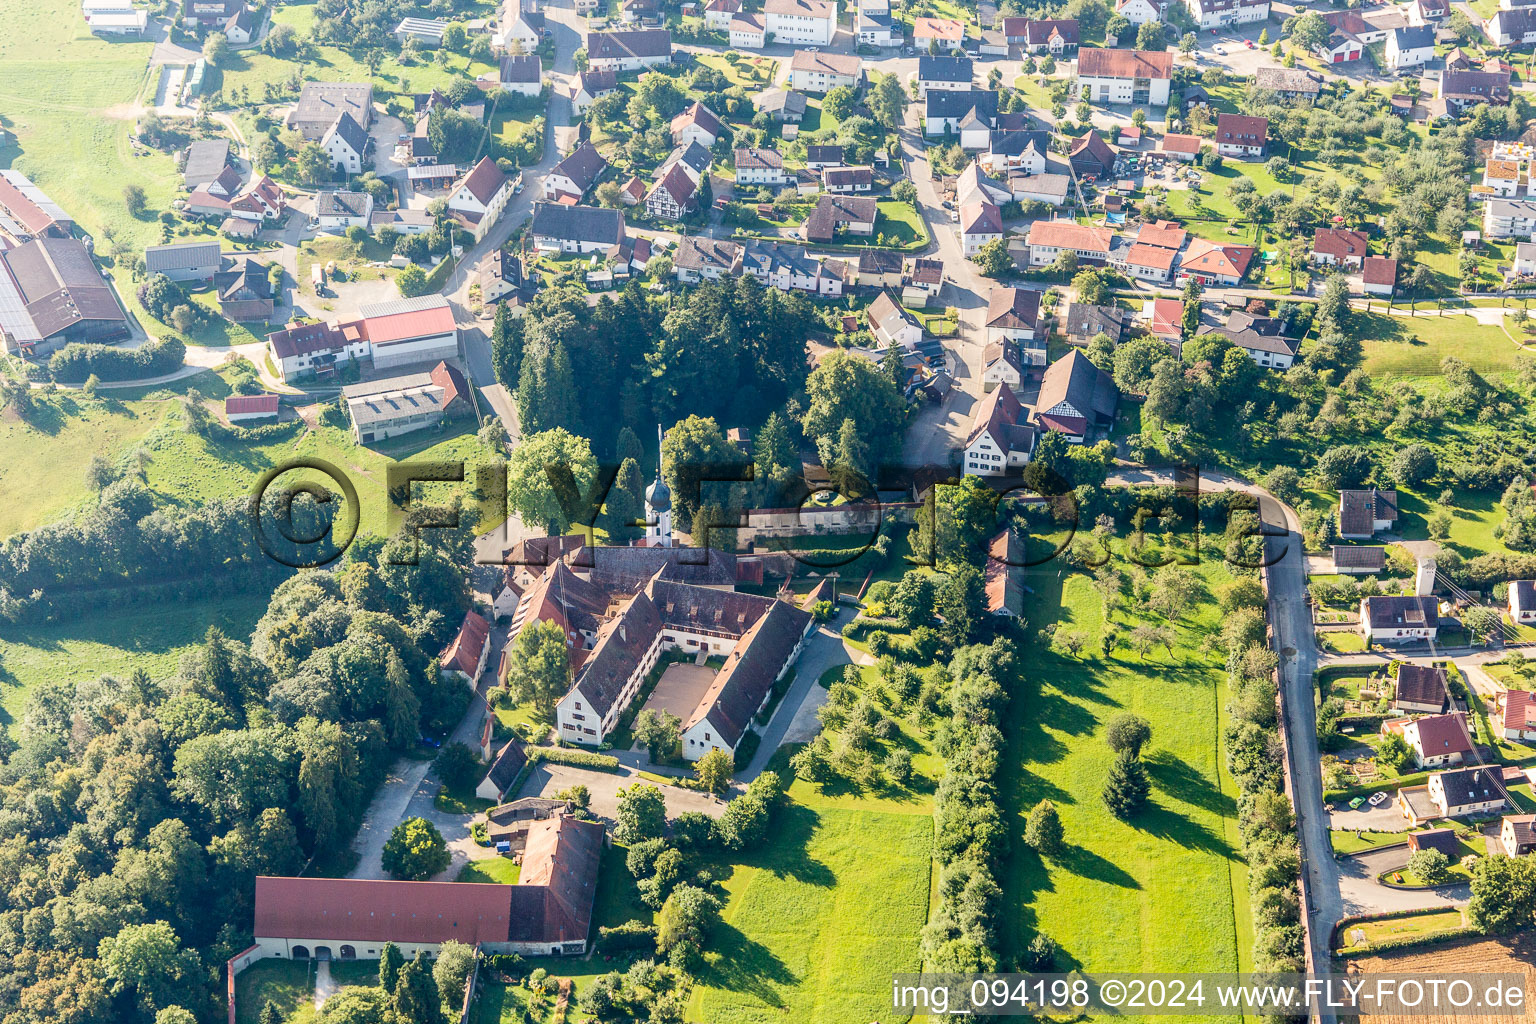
78,360
1256,760
971,837
137,811
734,351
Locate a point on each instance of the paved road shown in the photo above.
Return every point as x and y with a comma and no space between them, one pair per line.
1360,893
569,33
1291,619
408,791
549,779
823,650
940,428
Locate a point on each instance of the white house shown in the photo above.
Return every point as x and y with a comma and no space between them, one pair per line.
337,211
1365,512
1436,740
575,175
1215,14
478,200
576,229
628,50
1001,365
345,143
1048,239
980,223
759,167
1013,314
1139,12
521,74
1467,791
1240,137
1000,441
954,73
893,325
1509,218
548,912
1511,27
1522,601
1515,714
718,14
465,657
589,87
1378,275
697,124
1410,47
801,22
816,71
1141,77
748,31
1399,619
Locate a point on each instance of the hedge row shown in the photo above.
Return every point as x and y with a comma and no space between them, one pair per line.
627,936
860,628
1409,941
574,758
76,361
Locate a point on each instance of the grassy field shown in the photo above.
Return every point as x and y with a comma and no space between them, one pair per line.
1414,346
501,870
114,642
72,137
1346,842
819,919
1168,891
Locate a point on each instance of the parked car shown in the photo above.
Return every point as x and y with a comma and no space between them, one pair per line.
1356,802
1248,43
1377,799
1221,51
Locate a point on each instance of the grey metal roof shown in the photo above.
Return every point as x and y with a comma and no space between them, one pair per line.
343,204
181,256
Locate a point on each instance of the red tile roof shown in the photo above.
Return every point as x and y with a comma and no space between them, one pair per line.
484,181
1166,314
256,405
944,29
1154,256
1241,130
1066,234
1340,243
1165,234
463,655
415,323
1380,270
1216,258
372,910
1519,710
1181,143
1099,63
1442,734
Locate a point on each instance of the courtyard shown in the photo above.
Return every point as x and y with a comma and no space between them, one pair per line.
680,689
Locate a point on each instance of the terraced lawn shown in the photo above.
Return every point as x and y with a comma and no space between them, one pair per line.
1167,891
